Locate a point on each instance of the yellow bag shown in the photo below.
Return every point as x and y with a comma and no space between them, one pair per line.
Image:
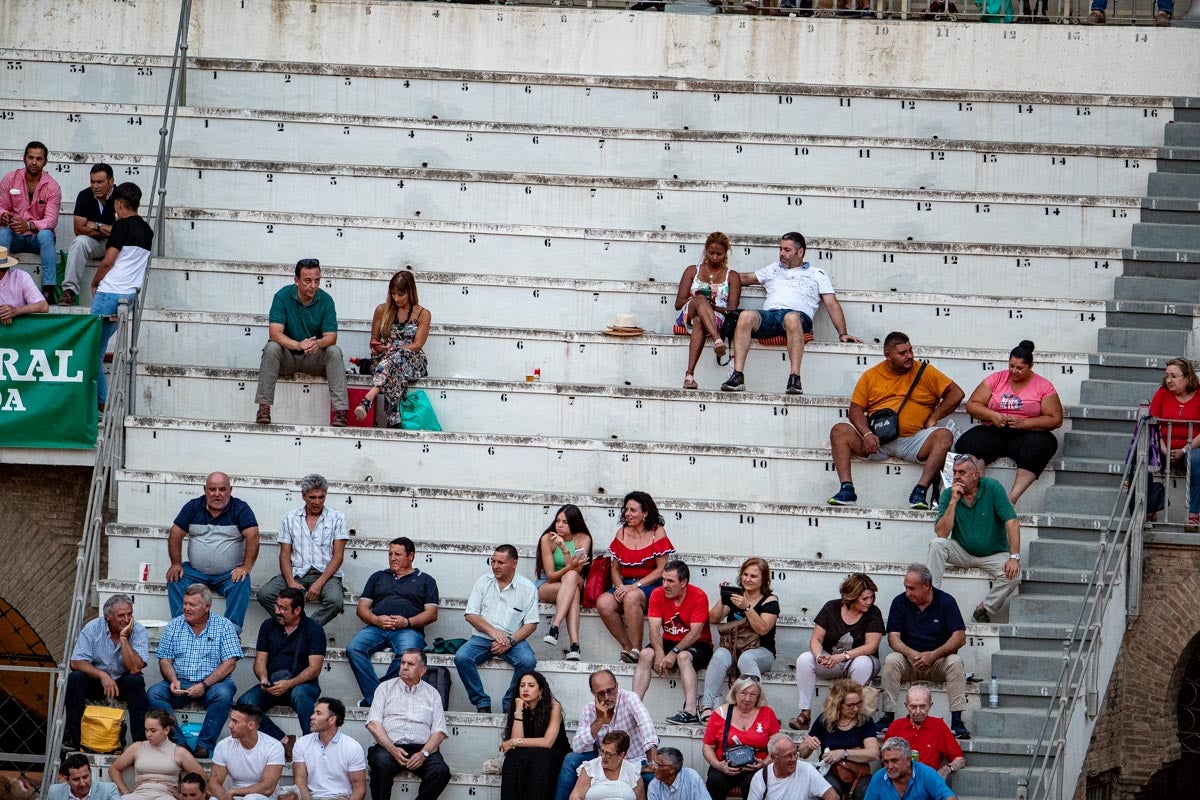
101,730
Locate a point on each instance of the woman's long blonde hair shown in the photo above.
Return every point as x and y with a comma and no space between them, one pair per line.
402,281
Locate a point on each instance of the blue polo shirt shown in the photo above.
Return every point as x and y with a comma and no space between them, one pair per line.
215,544
929,629
925,784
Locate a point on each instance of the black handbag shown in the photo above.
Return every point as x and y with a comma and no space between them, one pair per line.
729,325
885,423
740,754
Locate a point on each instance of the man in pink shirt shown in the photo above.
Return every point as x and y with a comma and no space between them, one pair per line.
18,293
29,203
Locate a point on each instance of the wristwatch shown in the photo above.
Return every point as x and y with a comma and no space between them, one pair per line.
675,650
426,754
1017,556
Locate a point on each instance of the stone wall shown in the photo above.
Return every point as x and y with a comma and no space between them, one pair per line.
41,519
1137,732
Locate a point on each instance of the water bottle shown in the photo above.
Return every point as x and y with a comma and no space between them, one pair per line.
823,765
993,694
916,755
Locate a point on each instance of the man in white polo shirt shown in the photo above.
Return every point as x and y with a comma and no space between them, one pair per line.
794,290
327,764
251,763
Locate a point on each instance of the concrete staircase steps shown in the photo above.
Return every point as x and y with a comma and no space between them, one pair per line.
1164,235
1182,134
1169,290
1142,340
1117,391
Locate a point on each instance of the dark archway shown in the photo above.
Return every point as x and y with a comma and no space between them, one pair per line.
24,696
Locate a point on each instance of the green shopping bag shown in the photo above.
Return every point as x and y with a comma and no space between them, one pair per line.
416,412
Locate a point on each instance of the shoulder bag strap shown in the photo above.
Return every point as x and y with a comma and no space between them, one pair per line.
916,380
728,723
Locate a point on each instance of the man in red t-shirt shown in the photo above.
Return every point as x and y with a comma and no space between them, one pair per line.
928,735
679,637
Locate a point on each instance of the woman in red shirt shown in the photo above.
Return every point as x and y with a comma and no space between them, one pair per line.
751,723
1176,404
638,554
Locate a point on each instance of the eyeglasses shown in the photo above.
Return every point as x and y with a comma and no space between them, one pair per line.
602,692
792,756
308,262
608,753
852,705
754,678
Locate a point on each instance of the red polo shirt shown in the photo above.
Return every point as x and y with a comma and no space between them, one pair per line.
933,740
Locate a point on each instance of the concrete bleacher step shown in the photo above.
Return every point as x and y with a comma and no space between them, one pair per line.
1097,445
236,340
1172,184
587,305
1166,236
1142,340
1182,134
1171,210
1125,367
870,265
986,782
931,163
1129,287
603,100
1116,392
773,529
502,461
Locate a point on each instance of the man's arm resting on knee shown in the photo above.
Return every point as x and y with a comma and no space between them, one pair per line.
266,786
952,645
300,779
251,539
376,729
897,644
223,671
1013,529
951,398
275,334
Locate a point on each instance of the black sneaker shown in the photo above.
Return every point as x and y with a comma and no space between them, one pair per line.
552,636
845,496
981,615
960,731
573,653
917,499
736,383
793,384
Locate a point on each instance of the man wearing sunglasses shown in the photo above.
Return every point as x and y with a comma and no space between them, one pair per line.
302,332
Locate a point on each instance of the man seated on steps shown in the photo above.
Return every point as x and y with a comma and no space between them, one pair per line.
93,220
901,777
302,336
196,657
396,604
288,659
680,637
409,726
928,735
76,774
977,527
612,709
794,290
222,535
312,547
921,441
503,610
327,764
248,760
29,205
925,632
19,295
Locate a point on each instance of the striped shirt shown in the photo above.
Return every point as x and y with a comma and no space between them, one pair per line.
196,656
312,549
96,647
409,714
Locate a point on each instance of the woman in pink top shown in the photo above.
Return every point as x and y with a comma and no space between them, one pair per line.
1176,403
1017,410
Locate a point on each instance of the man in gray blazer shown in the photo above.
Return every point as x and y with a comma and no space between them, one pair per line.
76,784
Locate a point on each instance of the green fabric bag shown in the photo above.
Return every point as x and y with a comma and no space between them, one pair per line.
416,413
996,11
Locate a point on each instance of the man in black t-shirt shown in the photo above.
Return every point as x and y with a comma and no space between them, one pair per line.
289,656
93,222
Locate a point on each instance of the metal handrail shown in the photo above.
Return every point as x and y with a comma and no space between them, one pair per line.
110,445
1120,552
109,456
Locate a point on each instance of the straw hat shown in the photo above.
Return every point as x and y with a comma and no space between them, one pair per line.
6,260
624,325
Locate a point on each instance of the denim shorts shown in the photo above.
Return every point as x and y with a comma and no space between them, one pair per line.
646,588
770,323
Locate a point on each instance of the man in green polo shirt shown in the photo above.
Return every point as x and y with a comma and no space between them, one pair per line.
302,332
977,527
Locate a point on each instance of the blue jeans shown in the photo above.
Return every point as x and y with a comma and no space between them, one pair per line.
302,698
1163,5
371,640
105,304
567,776
41,243
217,702
1194,482
236,593
477,650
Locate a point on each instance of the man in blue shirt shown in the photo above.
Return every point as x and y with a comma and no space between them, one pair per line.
903,779
196,656
222,538
108,661
76,784
672,780
925,632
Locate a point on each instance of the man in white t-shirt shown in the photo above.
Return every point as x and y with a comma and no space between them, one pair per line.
327,764
787,777
794,290
248,761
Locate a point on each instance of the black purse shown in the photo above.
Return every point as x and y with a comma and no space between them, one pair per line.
740,754
885,423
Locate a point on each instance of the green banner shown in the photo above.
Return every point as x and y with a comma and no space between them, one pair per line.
48,366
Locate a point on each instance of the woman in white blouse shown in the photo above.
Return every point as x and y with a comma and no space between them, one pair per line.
610,777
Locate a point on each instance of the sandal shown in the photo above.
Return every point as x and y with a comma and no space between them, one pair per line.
689,382
705,713
630,656
363,408
720,348
801,722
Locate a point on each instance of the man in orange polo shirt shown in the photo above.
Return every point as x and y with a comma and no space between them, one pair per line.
928,735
